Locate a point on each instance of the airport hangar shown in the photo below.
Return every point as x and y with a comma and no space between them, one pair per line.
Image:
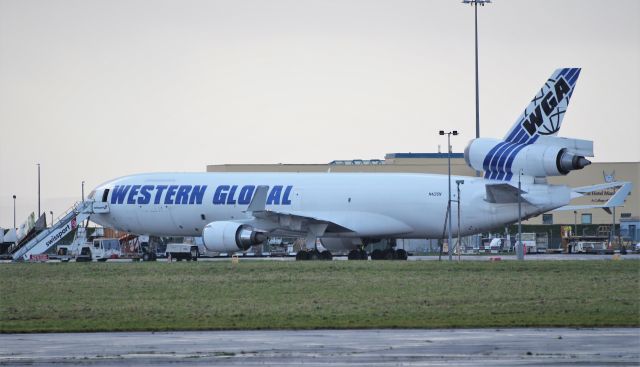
627,217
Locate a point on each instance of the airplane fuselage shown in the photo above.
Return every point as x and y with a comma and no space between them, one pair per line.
367,205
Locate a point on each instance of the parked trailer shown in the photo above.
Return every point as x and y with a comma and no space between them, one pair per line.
591,247
180,251
529,242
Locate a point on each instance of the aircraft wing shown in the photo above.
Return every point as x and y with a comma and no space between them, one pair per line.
321,222
616,199
363,223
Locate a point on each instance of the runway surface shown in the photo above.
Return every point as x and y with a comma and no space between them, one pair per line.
461,347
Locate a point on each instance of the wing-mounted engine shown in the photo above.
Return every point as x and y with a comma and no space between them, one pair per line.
231,236
546,156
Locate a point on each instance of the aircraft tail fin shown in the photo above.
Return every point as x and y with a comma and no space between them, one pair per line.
545,112
530,146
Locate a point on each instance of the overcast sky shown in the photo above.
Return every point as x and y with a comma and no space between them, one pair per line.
94,90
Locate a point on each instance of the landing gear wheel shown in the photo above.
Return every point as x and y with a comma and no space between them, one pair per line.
388,254
401,254
364,255
146,256
376,254
302,255
354,255
314,255
326,255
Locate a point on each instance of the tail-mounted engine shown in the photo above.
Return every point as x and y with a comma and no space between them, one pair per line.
231,237
548,156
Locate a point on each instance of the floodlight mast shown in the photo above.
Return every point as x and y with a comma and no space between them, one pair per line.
39,212
458,183
519,244
449,248
475,4
14,212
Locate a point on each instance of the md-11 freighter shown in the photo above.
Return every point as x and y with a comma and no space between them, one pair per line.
233,211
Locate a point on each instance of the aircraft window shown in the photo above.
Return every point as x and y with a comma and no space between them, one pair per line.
203,217
105,194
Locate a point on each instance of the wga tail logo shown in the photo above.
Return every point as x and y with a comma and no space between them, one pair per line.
550,104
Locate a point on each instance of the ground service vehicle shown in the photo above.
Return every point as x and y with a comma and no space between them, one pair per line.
180,251
100,249
529,242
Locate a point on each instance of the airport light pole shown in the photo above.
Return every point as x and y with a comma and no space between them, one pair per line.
454,132
458,183
82,190
14,212
575,222
519,247
475,4
51,212
39,213
613,227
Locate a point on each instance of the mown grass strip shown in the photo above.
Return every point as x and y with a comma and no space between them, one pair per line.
304,295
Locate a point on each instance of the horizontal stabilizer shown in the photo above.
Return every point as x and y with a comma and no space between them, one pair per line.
503,193
616,199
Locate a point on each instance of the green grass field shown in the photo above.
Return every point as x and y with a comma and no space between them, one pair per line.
336,294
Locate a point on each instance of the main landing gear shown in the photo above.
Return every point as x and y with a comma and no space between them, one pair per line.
358,254
389,254
314,255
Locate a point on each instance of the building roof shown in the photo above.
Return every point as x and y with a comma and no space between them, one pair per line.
422,155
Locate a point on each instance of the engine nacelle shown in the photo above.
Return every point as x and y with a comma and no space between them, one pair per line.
230,237
550,156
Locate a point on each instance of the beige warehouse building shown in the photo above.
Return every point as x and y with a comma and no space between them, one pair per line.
596,173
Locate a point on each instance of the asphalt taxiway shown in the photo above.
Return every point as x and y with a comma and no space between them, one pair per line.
460,347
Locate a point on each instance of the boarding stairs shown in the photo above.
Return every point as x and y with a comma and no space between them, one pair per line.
48,238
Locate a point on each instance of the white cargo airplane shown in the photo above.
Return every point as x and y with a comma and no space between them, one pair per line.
233,211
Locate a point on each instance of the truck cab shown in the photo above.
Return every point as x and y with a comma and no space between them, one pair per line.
100,249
